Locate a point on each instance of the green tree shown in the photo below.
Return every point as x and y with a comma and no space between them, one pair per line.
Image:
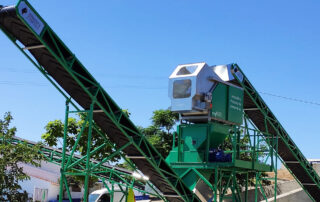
53,137
11,156
164,119
160,133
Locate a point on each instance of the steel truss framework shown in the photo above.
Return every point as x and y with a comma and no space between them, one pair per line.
265,121
250,158
90,168
61,67
109,175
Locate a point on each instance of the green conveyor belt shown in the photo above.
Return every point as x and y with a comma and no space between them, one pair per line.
24,26
262,117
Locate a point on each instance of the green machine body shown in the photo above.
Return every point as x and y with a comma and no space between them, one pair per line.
209,108
196,140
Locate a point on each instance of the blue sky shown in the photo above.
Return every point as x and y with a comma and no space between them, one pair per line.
131,47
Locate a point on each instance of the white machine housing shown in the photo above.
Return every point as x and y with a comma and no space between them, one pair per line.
190,86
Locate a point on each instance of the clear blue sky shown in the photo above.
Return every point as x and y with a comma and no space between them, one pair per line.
131,47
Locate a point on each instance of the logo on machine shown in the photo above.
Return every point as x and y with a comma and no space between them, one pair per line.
216,114
235,103
30,17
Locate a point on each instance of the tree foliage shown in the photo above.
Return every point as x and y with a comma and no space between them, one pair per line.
11,158
164,119
53,137
159,133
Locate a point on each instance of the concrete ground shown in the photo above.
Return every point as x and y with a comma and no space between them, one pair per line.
296,195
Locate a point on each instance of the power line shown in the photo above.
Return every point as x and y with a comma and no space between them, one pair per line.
292,99
117,76
25,83
16,70
13,83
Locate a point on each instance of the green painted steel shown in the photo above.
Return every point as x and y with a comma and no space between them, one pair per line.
194,156
235,105
227,103
266,122
219,102
107,173
63,177
62,68
51,56
195,141
193,166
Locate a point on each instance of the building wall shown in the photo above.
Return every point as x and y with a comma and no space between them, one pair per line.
30,185
44,177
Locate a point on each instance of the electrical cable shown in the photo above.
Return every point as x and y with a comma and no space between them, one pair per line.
292,99
14,83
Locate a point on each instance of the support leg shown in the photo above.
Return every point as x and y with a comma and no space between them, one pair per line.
62,170
256,188
215,184
87,175
246,189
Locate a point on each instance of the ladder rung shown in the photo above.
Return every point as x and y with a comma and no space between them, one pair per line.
308,184
172,196
292,162
272,137
33,47
251,109
97,111
135,157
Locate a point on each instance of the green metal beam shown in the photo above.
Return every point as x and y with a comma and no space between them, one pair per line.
76,74
119,176
273,126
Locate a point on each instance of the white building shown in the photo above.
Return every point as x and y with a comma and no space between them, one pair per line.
44,183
